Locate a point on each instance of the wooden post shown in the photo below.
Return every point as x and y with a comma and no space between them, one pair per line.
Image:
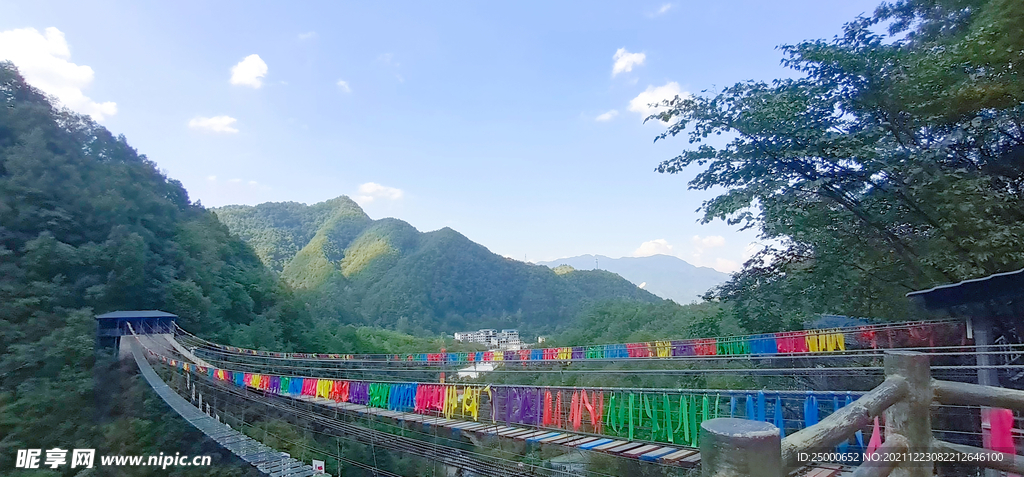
739,447
910,418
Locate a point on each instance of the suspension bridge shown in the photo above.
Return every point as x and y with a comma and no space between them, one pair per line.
835,392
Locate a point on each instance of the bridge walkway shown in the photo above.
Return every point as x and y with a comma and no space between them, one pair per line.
267,460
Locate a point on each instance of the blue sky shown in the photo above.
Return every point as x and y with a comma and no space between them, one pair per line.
517,124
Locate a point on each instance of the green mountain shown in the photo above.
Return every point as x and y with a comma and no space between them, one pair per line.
353,269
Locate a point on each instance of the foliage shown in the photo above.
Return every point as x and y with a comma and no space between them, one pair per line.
87,226
295,437
893,164
277,231
563,269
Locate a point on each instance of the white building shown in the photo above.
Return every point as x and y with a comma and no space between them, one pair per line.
493,339
484,337
509,339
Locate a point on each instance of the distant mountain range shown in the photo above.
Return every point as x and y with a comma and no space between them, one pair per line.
664,275
352,269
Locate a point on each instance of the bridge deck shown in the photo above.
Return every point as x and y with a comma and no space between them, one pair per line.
264,458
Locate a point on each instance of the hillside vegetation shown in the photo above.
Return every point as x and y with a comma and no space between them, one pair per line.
350,269
88,225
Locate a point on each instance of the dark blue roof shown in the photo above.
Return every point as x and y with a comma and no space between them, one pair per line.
838,321
997,286
136,314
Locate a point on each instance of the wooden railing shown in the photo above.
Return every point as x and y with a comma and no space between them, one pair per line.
737,447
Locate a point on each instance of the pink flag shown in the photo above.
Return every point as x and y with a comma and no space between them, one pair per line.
876,439
1001,437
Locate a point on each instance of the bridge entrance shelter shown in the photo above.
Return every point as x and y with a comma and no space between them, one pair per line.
110,327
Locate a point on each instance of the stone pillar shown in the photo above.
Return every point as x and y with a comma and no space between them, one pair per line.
732,447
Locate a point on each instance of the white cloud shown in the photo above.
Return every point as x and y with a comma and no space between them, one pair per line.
371,191
387,59
343,85
607,116
664,8
217,124
43,61
308,35
701,244
249,71
625,61
653,247
698,257
655,95
238,184
726,266
711,241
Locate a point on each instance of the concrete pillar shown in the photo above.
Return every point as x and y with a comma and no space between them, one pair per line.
983,340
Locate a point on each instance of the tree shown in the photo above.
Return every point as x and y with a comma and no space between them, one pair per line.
893,164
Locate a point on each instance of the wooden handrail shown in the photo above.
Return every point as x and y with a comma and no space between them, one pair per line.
948,392
842,424
904,398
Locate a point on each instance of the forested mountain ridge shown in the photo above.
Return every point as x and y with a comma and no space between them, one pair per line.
666,276
278,231
350,268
